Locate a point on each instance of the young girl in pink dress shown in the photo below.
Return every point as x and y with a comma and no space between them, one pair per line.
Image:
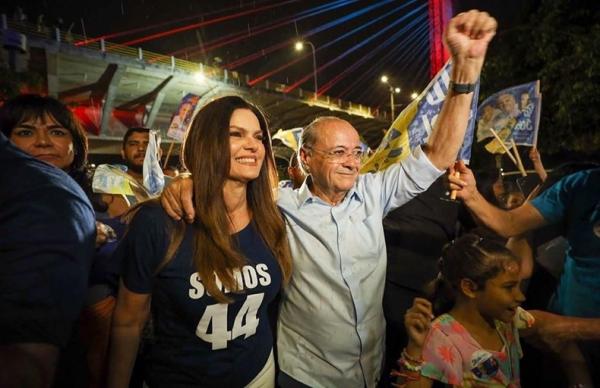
475,340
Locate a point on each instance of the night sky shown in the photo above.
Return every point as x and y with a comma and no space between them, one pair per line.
389,37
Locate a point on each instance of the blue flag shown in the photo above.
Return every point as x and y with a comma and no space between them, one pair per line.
413,125
513,113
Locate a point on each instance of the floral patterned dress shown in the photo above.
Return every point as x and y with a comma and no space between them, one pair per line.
454,357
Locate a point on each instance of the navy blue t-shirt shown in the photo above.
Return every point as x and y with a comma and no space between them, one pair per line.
47,235
199,342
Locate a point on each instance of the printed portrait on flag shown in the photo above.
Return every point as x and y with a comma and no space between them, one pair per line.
182,119
513,113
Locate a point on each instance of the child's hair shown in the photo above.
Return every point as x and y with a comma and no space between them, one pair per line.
472,257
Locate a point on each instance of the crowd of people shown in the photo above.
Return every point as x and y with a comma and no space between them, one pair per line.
232,279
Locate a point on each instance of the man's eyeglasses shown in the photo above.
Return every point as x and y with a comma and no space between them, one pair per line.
339,155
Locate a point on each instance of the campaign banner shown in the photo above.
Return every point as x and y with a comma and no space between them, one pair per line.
183,118
513,113
414,124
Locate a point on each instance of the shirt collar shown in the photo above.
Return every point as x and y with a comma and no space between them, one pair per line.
306,196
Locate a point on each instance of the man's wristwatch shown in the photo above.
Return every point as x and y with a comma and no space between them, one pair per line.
461,88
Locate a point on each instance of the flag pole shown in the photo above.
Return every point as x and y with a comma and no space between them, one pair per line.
166,162
519,162
504,146
454,192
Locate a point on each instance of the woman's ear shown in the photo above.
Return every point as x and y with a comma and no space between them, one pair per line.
468,287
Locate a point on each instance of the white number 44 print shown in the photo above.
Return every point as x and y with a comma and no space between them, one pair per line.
245,322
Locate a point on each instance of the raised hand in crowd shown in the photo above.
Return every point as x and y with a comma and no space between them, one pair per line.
467,37
536,159
417,321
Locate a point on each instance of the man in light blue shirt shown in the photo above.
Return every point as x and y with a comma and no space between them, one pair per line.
331,327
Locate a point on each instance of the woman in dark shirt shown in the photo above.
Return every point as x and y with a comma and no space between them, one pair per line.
210,282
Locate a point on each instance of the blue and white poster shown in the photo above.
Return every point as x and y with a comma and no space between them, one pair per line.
414,124
183,118
513,113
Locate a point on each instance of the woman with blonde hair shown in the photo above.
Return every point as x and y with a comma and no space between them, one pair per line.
210,282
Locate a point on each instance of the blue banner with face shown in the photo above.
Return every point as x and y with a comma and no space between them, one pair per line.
514,113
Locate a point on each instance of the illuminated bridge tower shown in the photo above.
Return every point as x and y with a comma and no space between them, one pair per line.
440,12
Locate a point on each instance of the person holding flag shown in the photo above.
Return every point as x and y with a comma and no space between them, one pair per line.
416,232
140,178
331,327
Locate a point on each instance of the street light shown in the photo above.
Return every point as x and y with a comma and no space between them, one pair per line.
299,47
393,90
414,95
200,77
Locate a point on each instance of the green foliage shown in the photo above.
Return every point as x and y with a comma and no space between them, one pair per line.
559,44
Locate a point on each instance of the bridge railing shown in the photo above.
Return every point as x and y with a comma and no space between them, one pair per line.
56,35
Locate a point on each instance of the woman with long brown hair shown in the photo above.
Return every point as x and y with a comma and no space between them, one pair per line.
209,282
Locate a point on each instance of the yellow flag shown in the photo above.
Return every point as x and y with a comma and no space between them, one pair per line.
415,123
289,137
395,144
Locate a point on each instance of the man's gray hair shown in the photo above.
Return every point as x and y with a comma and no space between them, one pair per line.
310,132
